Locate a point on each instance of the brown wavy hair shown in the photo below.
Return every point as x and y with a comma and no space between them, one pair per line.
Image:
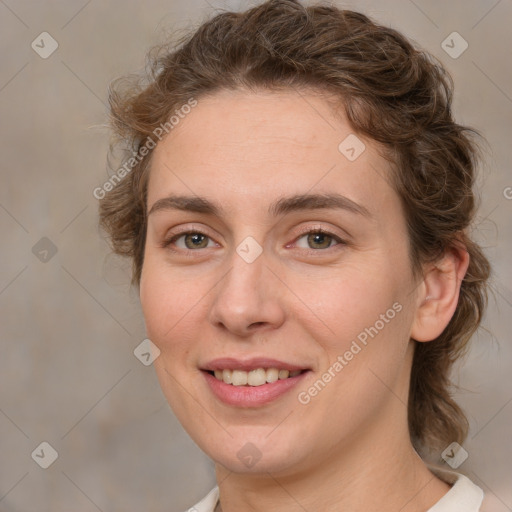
390,91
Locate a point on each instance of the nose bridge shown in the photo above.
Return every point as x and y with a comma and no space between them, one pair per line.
247,294
242,283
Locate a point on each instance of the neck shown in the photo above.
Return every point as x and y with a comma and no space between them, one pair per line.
384,474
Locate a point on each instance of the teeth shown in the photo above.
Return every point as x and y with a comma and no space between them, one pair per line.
256,377
272,374
227,376
284,374
239,378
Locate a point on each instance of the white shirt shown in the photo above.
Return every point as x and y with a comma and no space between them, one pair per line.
464,496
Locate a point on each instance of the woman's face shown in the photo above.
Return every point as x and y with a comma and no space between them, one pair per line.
249,292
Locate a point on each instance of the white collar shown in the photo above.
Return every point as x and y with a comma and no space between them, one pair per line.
464,496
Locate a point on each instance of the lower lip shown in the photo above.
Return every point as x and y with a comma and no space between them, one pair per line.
251,396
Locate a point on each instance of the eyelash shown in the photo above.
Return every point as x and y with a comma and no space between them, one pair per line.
166,244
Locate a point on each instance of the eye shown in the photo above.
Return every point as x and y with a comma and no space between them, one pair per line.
319,238
189,241
192,240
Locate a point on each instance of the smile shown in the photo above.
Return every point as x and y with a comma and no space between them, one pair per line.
252,382
256,377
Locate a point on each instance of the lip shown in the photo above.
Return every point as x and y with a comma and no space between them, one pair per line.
229,363
251,396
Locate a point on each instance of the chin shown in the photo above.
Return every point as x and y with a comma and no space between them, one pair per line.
275,463
254,453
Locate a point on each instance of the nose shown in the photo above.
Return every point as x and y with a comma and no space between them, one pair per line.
249,298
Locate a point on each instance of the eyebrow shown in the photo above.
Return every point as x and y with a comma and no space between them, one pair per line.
283,205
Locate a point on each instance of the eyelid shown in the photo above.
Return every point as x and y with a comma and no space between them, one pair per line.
168,239
319,229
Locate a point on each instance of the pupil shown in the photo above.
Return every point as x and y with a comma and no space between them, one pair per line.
318,238
195,239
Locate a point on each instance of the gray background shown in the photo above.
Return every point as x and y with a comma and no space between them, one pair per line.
68,375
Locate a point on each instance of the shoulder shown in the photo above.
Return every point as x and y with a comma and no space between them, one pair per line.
208,503
464,496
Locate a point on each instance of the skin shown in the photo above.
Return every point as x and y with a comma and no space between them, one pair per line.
299,302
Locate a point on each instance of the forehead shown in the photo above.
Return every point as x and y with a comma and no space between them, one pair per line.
249,148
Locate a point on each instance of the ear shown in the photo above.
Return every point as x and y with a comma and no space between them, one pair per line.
439,294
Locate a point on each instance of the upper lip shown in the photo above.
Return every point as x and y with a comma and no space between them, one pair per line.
229,363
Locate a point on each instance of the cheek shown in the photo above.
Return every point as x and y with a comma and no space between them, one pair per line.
160,301
362,367
361,324
153,299
169,311
349,299
172,306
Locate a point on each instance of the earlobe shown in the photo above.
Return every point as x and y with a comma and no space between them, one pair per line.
440,294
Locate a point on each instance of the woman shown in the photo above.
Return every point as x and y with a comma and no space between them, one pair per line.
297,207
